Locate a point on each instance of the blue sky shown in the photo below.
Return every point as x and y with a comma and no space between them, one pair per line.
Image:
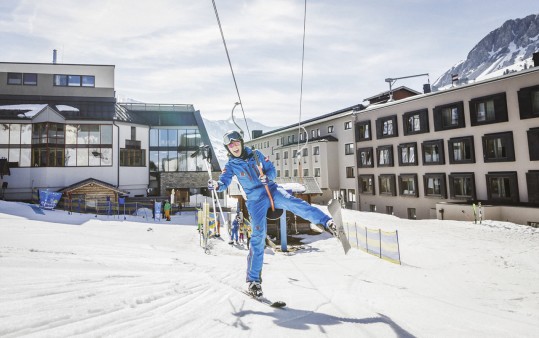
170,51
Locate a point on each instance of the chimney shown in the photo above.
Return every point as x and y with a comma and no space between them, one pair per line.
426,88
536,59
54,55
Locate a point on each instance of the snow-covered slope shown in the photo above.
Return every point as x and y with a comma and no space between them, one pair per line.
79,276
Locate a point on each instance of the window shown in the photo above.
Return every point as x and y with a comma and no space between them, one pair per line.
350,172
305,172
502,187
347,125
449,116
313,134
532,182
416,122
364,158
528,102
349,149
295,173
330,129
408,185
316,150
488,109
286,173
74,80
462,186
385,156
408,154
533,144
434,185
433,152
29,79
14,78
278,173
498,147
461,150
316,172
132,157
386,127
366,184
389,210
386,185
363,131
372,207
351,195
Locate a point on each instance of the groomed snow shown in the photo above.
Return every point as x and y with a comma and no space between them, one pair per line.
76,275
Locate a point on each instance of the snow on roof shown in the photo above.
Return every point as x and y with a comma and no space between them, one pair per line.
31,110
294,187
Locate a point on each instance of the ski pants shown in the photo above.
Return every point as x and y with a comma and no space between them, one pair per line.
257,210
234,234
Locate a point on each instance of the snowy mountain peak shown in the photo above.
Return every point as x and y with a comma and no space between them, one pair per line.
506,49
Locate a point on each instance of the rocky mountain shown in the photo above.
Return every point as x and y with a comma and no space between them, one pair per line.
508,48
217,128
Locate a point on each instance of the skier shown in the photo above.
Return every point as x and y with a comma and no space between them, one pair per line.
235,227
243,164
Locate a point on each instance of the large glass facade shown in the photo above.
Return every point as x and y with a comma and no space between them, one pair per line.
171,150
56,145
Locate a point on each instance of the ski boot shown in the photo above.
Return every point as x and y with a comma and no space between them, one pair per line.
255,289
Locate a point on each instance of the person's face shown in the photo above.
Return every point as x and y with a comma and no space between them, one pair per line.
235,148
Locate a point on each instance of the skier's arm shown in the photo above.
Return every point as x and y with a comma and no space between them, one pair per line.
225,179
267,166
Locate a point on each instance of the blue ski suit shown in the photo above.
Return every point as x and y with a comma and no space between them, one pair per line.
258,203
235,228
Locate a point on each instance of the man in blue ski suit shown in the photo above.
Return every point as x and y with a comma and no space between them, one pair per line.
242,163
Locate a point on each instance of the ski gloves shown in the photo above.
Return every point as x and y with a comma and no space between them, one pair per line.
213,184
264,179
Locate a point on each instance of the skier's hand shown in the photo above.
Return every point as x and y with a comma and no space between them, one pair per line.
212,185
331,227
263,179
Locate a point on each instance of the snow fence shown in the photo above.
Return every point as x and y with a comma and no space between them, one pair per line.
384,244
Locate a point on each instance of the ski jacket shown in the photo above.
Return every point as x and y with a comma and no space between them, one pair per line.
245,169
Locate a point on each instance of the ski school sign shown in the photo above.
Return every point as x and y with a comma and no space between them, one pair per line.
49,199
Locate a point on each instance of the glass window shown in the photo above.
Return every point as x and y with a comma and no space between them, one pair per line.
172,138
363,132
88,81
502,187
461,150
154,138
26,157
316,172
449,116
408,154
347,125
349,149
95,156
82,157
71,134
408,185
4,133
163,137
29,79
434,185
433,152
386,183
83,134
70,157
106,134
349,172
154,161
15,134
366,184
60,80
26,134
498,147
462,186
364,158
73,80
14,78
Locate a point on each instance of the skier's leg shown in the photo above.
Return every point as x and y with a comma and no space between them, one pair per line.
299,207
255,259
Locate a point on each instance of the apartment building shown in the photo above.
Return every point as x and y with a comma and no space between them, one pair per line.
429,155
60,125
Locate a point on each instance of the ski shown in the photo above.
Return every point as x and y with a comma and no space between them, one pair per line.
277,304
334,209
